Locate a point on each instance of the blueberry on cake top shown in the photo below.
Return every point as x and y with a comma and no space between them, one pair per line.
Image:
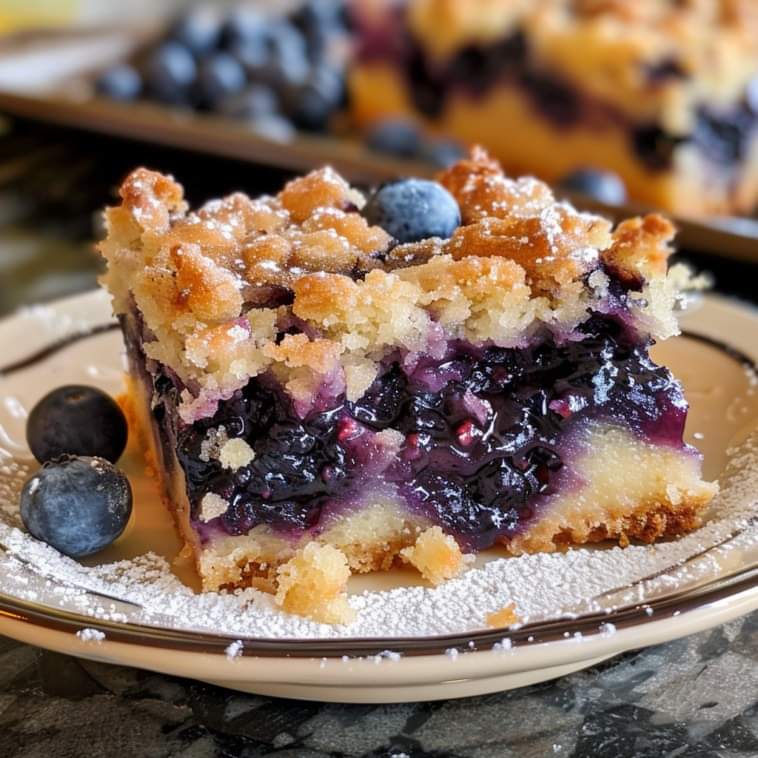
322,398
663,92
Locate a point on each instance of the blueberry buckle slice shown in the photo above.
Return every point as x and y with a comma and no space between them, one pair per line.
331,384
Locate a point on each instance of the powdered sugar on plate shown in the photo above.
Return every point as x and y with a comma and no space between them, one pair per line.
144,590
90,635
234,649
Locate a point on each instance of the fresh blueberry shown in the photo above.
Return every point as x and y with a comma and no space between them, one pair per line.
320,21
252,56
312,103
78,505
120,82
219,76
413,209
318,41
170,70
281,61
285,40
76,420
256,101
198,30
317,14
603,186
441,152
243,25
272,126
395,137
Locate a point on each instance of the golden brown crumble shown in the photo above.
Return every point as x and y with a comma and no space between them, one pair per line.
435,555
313,583
482,189
209,284
323,188
640,248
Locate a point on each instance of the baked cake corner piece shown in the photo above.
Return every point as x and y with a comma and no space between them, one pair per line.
324,399
661,93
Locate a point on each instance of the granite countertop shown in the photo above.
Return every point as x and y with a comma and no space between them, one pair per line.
690,698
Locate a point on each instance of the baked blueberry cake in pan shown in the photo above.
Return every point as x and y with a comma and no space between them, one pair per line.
332,385
663,92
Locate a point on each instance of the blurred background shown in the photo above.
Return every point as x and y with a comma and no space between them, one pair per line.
240,95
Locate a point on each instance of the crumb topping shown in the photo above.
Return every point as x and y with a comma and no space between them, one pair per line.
214,441
313,583
301,286
640,249
212,506
235,454
435,555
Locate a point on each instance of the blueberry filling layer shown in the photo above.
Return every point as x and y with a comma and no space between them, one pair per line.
471,442
722,135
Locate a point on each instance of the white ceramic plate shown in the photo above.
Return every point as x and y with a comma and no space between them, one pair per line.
43,347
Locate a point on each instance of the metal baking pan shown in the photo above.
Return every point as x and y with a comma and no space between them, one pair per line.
48,78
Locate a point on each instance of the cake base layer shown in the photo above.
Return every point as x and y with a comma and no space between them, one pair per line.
506,121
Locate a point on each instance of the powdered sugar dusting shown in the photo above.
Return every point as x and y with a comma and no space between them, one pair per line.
234,649
90,635
143,590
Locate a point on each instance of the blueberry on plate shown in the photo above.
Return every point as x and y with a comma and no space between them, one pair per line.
76,420
120,82
219,76
199,29
169,72
78,505
395,137
413,209
603,186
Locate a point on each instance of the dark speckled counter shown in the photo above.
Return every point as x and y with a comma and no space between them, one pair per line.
692,698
